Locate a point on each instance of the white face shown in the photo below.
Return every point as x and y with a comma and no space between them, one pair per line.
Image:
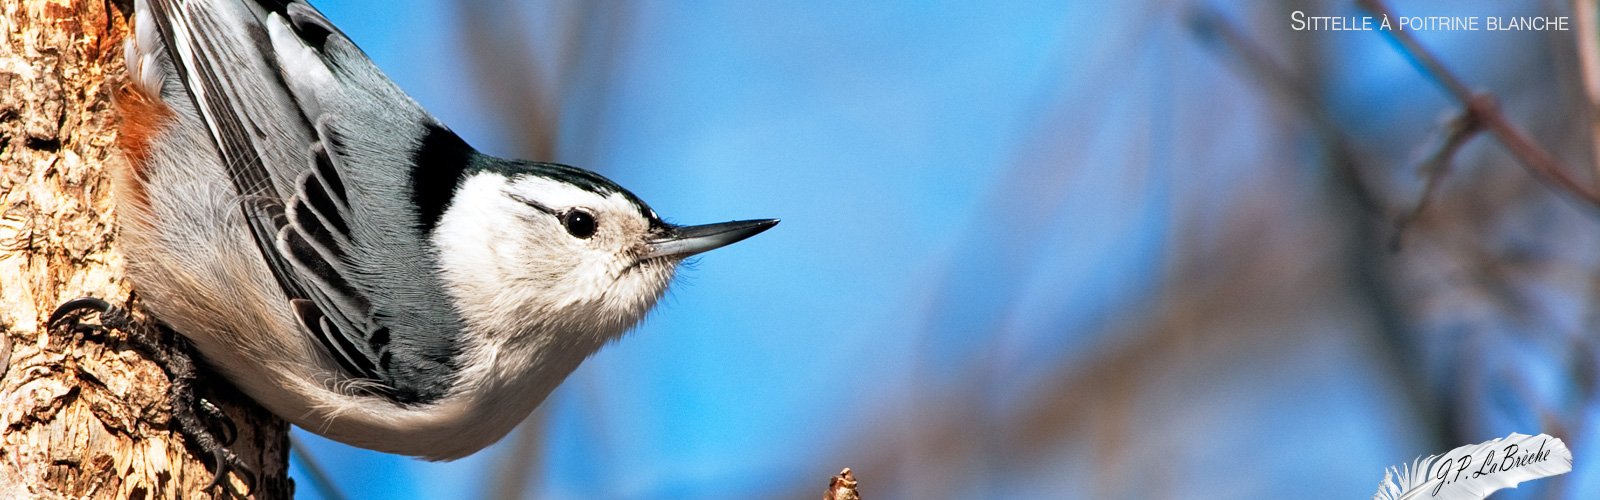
527,254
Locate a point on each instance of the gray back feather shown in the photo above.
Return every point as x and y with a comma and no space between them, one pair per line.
281,90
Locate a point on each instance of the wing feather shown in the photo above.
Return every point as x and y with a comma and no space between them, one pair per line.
284,163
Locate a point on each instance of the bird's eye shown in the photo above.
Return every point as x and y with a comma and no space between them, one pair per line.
579,223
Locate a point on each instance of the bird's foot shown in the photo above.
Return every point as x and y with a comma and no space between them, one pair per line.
211,434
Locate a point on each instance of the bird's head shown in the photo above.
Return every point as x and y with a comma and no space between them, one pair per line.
538,247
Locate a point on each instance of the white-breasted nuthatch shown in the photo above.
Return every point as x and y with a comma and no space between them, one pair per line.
343,257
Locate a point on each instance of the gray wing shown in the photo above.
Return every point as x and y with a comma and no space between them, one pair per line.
276,84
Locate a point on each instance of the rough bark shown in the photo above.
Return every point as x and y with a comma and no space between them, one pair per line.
843,487
84,418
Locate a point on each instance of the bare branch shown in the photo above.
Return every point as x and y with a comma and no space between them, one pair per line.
1483,105
1212,27
1352,187
319,476
1435,168
1588,41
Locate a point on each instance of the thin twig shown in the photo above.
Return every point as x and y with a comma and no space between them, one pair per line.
520,469
1550,422
1529,154
1435,168
1212,27
1356,189
511,77
1588,40
319,476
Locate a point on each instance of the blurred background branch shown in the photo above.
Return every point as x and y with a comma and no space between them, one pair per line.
1061,250
1484,108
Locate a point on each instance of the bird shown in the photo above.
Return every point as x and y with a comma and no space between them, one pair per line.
343,257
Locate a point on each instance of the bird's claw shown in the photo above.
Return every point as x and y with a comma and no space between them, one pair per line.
71,312
180,368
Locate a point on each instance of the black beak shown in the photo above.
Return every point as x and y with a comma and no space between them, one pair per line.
683,241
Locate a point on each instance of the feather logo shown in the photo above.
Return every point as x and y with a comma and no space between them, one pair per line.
1474,471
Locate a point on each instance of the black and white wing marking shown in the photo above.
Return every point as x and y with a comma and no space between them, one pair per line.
288,175
203,62
315,240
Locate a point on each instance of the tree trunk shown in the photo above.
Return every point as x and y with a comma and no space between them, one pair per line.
84,418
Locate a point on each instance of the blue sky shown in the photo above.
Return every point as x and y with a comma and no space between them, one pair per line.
977,199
